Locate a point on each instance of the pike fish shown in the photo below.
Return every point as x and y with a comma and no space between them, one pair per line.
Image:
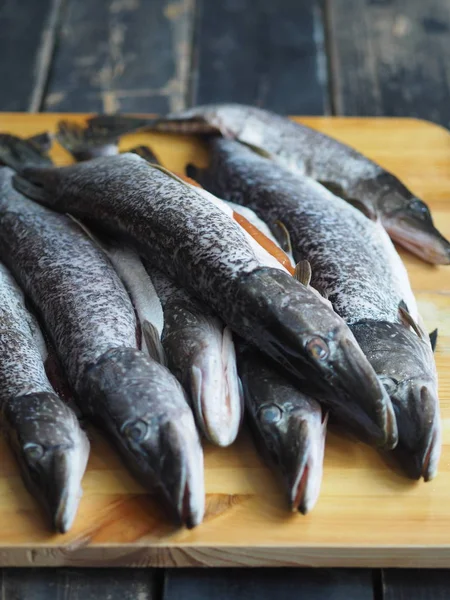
289,427
200,352
86,309
346,172
354,263
48,443
195,243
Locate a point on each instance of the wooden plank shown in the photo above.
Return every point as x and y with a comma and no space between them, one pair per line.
391,58
73,584
26,43
416,584
266,53
368,514
122,55
268,584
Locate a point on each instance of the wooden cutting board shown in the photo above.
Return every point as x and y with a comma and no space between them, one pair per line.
368,514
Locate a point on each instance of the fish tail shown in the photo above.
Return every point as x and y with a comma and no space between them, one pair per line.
19,153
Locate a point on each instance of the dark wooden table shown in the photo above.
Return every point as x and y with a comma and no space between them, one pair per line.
311,57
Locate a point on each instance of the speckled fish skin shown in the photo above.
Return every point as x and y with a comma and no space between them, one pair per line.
49,445
206,252
92,324
347,172
288,425
200,352
354,262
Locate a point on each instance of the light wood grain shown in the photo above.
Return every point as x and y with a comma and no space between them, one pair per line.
368,514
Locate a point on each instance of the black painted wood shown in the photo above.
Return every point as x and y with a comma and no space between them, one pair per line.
268,584
416,584
268,53
391,58
122,55
26,42
74,584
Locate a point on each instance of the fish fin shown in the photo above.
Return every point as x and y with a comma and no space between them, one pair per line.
257,150
282,235
85,143
407,319
18,153
303,272
170,174
433,339
146,153
153,342
336,189
43,141
362,208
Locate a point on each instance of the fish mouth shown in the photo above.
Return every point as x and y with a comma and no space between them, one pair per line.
215,390
421,239
181,474
305,482
374,414
419,447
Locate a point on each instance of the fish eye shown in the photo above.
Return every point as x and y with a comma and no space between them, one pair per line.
317,348
34,451
389,384
135,431
419,207
270,413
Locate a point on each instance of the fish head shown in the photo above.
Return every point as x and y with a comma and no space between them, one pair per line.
290,427
405,365
311,341
52,451
408,221
145,412
201,353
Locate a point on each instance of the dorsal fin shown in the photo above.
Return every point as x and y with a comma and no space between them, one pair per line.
433,339
303,272
153,342
407,319
282,235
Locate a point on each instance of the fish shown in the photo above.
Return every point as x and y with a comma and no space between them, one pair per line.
43,432
195,243
200,352
356,266
288,425
344,170
90,318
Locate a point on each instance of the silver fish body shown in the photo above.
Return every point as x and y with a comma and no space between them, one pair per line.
289,427
205,251
200,352
345,171
355,264
91,321
49,445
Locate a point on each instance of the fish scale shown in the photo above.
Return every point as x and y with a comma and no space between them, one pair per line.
343,169
70,273
193,241
91,321
356,266
44,434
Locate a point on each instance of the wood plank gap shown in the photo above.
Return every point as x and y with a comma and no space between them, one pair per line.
332,65
45,56
192,81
